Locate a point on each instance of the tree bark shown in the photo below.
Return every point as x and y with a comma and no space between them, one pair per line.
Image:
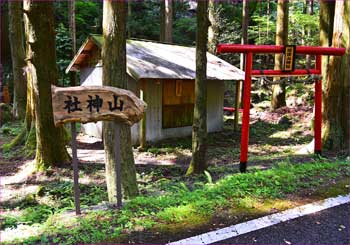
244,40
199,128
72,32
278,90
18,56
326,31
166,21
129,17
213,31
41,73
336,116
310,11
114,74
245,23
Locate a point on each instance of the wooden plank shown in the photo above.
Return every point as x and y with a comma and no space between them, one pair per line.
171,95
177,108
96,103
175,116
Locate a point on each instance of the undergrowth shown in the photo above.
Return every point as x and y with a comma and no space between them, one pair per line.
50,199
178,204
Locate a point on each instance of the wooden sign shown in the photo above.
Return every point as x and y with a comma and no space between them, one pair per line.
289,58
95,103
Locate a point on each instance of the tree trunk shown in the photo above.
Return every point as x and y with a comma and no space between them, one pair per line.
278,90
336,117
245,23
268,12
310,11
72,32
18,56
244,40
213,31
114,74
166,21
41,73
326,32
199,127
129,17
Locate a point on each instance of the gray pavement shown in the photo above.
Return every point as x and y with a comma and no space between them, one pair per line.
330,226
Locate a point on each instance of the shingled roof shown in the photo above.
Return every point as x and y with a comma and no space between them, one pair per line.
153,60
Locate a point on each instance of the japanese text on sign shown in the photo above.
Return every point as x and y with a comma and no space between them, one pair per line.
289,58
95,103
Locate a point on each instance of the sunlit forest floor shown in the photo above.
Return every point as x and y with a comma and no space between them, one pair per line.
282,173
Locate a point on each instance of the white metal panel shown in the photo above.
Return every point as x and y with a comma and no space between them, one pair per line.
93,76
153,98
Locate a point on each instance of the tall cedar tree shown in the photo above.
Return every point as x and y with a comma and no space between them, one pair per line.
326,33
199,128
72,32
41,73
309,9
278,90
114,74
18,54
166,21
336,116
213,31
245,24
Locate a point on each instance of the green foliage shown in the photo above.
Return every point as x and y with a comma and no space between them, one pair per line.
300,22
88,17
14,135
181,205
184,31
144,21
264,31
11,129
63,52
54,198
63,196
28,216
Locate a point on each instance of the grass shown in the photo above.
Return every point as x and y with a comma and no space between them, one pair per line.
170,204
50,199
184,203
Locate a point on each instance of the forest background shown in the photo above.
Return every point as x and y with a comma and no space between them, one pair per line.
144,23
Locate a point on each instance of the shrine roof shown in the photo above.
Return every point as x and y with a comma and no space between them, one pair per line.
153,60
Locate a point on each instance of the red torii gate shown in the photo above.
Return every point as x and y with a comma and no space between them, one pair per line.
249,50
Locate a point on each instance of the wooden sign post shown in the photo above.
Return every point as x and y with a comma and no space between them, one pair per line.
91,104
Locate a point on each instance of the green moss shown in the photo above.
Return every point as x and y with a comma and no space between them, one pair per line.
341,187
98,39
30,144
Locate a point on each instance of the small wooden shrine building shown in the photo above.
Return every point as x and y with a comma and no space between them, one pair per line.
163,76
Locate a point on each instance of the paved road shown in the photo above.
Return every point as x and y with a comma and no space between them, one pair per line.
330,226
